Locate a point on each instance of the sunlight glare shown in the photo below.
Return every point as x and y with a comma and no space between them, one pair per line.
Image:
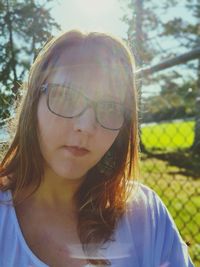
89,15
94,8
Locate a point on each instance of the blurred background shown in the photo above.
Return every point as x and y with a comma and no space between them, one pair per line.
164,37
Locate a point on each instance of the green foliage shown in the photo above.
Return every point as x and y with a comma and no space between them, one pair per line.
160,31
25,26
141,21
175,101
6,101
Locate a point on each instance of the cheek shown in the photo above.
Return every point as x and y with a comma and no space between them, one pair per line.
106,140
47,128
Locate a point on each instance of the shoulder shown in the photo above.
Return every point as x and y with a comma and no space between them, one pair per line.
144,198
149,216
148,210
5,211
154,230
5,204
5,196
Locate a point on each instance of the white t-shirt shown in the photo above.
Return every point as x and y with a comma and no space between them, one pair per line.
145,237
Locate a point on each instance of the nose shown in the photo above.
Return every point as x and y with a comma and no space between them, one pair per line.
86,122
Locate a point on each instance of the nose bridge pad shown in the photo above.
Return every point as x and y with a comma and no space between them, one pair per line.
91,106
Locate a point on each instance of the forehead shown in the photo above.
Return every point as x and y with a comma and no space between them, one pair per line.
92,70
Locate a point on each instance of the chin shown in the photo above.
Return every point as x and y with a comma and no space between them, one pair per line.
70,175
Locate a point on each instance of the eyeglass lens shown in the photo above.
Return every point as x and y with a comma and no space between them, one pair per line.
69,102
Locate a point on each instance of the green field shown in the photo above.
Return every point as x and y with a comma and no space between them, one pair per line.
168,136
180,193
181,196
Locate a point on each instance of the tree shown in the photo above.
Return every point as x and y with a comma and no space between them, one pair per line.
141,22
181,32
187,34
24,27
175,101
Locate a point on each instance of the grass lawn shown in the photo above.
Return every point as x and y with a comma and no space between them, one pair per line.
181,195
168,136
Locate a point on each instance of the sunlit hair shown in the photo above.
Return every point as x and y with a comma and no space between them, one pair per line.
102,197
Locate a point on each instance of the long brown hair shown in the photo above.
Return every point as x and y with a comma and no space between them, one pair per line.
101,199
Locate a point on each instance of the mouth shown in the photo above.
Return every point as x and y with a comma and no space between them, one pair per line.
77,151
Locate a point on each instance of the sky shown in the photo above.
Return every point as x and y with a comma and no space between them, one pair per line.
106,16
102,15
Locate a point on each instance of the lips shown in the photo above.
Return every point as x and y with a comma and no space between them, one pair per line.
77,151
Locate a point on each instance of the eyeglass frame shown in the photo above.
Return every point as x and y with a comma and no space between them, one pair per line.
90,102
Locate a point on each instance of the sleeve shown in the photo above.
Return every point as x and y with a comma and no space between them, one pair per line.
170,249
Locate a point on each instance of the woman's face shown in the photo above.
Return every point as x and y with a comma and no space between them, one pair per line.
72,146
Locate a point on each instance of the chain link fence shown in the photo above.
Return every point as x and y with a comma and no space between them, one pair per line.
170,164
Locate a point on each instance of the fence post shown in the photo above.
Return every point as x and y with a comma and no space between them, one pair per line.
196,143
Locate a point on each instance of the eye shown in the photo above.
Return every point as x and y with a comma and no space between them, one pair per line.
110,108
110,114
113,107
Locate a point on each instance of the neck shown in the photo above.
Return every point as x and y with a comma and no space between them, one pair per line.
56,191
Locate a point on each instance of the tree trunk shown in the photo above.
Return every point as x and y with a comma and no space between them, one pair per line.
12,51
139,53
196,143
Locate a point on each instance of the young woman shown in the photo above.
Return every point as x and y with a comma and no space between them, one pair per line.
68,191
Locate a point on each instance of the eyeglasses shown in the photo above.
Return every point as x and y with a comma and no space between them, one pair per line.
68,102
